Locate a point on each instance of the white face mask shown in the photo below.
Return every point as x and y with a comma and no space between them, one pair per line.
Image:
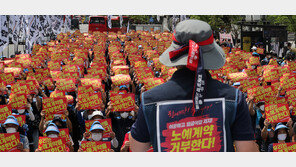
262,107
34,100
282,136
21,111
124,114
96,136
10,130
53,135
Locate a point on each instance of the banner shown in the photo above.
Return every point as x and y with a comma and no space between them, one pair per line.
46,144
90,101
181,129
106,123
20,88
5,111
270,75
277,113
284,147
9,142
18,101
95,146
123,102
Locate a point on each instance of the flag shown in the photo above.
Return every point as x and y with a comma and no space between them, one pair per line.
121,20
109,21
4,32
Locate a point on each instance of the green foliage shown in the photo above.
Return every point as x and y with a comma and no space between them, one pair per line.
287,20
139,19
219,22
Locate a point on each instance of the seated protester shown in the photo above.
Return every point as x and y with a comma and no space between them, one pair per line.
121,122
12,126
266,59
267,133
57,119
96,115
96,134
52,131
281,135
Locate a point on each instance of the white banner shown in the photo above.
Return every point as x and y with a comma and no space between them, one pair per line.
4,32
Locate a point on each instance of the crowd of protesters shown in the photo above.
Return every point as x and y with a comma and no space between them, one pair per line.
138,52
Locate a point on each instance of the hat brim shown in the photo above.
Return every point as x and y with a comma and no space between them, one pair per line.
213,58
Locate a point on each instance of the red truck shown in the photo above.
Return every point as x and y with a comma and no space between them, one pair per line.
100,23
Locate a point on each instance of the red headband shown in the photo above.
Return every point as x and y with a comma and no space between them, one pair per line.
208,41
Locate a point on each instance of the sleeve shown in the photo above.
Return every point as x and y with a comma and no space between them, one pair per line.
139,129
242,129
270,147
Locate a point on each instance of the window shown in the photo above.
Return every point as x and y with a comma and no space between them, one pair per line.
97,20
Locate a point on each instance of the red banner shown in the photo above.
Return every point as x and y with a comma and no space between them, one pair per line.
9,142
18,101
53,106
90,101
47,144
5,111
123,102
67,85
284,147
277,113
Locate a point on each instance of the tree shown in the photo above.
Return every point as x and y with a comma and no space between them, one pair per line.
287,20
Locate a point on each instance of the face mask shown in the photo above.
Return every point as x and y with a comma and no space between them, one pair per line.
262,107
282,136
10,130
21,111
124,115
34,100
53,135
253,67
96,136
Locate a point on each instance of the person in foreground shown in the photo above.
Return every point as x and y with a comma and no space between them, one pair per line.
192,111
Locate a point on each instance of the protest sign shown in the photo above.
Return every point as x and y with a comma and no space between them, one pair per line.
260,50
9,142
150,83
57,93
254,60
284,147
120,70
277,113
7,77
5,111
20,88
238,76
123,102
90,101
52,106
120,79
46,144
95,83
270,75
67,85
95,146
18,101
21,119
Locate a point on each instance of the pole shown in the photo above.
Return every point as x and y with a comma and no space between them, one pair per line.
7,17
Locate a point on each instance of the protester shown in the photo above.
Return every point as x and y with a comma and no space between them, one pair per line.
12,126
180,86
